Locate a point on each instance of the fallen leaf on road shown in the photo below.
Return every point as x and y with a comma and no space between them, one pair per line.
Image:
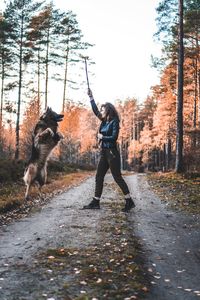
145,289
159,258
180,271
150,270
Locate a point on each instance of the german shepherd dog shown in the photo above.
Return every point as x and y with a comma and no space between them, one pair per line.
45,138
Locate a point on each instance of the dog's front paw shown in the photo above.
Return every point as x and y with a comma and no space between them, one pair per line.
60,135
50,131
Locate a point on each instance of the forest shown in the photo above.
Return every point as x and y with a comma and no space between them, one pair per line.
36,39
138,238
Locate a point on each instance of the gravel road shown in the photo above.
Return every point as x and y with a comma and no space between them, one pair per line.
170,240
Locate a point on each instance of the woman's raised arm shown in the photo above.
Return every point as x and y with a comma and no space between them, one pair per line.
94,106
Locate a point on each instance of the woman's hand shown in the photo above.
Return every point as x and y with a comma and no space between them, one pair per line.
99,136
90,93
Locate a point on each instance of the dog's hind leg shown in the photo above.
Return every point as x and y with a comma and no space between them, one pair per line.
39,189
29,178
41,179
27,183
27,191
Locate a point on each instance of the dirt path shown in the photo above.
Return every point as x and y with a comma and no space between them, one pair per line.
172,244
170,241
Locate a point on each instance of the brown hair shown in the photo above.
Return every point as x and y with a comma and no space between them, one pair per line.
111,111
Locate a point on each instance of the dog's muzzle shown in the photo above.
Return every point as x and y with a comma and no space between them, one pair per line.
59,117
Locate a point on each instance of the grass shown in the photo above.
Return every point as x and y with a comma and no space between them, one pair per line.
178,190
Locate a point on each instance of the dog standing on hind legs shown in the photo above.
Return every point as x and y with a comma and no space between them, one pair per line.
45,138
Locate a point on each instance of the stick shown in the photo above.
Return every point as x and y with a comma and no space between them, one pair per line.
86,71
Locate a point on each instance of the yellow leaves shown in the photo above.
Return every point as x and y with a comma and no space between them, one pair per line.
51,257
104,270
177,190
108,271
145,289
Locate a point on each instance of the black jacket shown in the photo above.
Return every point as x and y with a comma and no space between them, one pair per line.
109,129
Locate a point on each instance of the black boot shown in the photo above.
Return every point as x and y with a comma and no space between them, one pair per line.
129,204
94,204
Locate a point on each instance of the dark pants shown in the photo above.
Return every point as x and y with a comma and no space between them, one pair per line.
110,158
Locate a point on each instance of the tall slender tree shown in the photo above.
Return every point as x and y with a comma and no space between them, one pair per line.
5,62
67,51
36,39
18,13
179,122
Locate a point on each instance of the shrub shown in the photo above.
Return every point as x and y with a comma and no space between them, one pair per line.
11,170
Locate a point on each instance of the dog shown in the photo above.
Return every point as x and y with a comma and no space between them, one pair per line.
44,140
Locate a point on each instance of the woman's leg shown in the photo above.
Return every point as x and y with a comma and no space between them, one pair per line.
100,174
114,164
102,169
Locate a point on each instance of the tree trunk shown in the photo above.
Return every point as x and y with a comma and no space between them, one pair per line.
19,88
195,93
179,122
38,83
199,100
2,93
65,79
168,154
194,139
47,68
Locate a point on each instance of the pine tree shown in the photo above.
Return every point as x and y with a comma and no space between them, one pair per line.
179,121
67,42
18,13
5,62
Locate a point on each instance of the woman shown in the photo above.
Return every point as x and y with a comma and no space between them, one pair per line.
110,157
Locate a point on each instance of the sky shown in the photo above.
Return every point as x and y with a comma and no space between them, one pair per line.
122,31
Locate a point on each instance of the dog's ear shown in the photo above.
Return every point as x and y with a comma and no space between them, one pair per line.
45,113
